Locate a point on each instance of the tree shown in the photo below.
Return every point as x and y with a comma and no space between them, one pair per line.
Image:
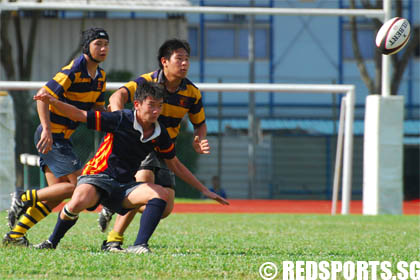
399,62
21,70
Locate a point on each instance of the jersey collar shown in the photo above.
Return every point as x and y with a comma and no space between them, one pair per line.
85,71
161,79
139,128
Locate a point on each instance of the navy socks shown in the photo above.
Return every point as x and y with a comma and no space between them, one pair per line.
148,223
150,219
61,227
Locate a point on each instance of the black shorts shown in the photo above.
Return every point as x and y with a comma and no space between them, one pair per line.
163,176
112,193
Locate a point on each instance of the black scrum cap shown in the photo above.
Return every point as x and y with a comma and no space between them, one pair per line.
92,34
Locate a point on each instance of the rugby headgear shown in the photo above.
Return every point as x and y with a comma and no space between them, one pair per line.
92,34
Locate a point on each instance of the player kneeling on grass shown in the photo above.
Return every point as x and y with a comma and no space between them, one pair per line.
183,99
108,178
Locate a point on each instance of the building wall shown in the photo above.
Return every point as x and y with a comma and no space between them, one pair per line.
234,177
303,167
306,49
133,43
287,167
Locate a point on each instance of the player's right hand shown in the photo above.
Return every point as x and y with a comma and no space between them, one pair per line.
201,146
44,97
216,197
45,142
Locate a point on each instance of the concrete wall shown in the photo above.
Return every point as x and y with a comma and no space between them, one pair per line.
133,43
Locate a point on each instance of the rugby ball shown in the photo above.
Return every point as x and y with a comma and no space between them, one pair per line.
393,35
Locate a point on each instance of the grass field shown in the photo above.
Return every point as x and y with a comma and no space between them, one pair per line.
214,246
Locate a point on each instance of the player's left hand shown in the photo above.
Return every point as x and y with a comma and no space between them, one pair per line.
216,197
201,146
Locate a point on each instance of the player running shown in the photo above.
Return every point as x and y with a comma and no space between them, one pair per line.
82,83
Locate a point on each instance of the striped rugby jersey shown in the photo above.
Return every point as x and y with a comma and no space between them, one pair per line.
74,86
123,148
187,99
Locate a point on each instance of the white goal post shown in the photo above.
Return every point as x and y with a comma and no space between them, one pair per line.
349,90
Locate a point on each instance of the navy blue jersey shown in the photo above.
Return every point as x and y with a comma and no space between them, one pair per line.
123,147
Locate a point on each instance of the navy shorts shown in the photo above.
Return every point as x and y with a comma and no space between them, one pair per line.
61,160
111,191
163,176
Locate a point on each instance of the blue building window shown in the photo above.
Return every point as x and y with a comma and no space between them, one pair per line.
193,39
220,43
366,38
229,42
260,41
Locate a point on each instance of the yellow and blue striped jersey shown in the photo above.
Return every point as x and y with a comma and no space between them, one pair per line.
74,86
187,99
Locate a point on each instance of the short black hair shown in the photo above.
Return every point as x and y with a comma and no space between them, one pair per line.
152,89
168,48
